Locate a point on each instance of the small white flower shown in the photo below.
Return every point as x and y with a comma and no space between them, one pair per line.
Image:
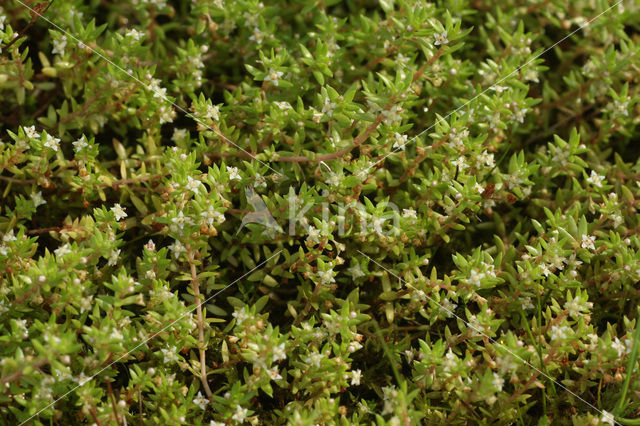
82,379
179,135
59,45
544,268
166,114
334,179
22,326
498,88
193,184
573,262
460,163
85,303
401,141
31,132
595,179
119,212
607,418
520,114
257,36
531,75
494,121
440,39
179,221
37,199
402,59
497,381
151,246
313,235
279,353
476,277
135,34
113,257
160,4
617,219
326,277
9,237
628,345
200,401
240,316
233,173
559,332
213,112
116,334
80,144
158,91
377,223
450,361
51,142
457,138
446,306
260,181
486,158
593,341
274,374
621,107
170,354
354,346
363,173
212,215
328,107
177,248
526,303
356,271
62,250
576,307
3,307
588,242
409,214
618,346
274,76
393,114
356,375
315,358
283,105
240,414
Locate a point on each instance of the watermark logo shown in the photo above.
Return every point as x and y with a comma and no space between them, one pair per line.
260,214
336,217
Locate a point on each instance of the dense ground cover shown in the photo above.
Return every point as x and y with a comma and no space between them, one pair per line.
319,212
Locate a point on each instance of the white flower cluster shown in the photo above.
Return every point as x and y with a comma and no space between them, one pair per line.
118,212
576,306
177,248
59,45
327,276
274,77
179,221
560,332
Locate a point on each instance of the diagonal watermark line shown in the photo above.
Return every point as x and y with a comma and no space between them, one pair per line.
495,342
401,147
156,92
155,334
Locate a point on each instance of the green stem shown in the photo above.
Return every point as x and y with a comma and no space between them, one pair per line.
543,366
630,367
387,352
630,422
